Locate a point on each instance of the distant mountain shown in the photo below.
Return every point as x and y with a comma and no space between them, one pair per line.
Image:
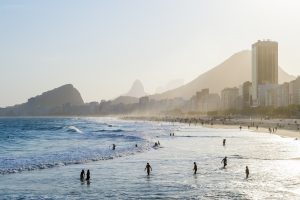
232,72
50,102
57,97
136,90
170,85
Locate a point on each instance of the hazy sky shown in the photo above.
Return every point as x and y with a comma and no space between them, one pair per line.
101,47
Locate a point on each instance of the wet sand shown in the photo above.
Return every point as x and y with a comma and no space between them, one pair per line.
279,132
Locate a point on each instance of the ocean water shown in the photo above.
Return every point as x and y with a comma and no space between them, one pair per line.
41,158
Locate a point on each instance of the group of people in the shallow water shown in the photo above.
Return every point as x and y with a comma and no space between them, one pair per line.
195,169
156,144
224,161
148,167
82,175
114,146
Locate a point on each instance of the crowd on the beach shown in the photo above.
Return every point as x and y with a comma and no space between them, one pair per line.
287,124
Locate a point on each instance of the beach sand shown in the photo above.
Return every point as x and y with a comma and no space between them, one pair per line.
279,132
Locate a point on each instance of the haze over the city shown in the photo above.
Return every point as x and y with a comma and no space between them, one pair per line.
101,47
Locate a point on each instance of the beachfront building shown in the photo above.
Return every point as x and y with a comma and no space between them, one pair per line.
246,94
282,95
210,103
267,94
264,66
143,101
229,98
206,102
199,98
294,91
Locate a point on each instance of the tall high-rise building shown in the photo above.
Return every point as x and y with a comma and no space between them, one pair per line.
264,65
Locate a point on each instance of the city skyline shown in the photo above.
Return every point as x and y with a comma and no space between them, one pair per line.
83,44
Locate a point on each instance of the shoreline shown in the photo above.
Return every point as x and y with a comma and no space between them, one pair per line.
280,132
283,128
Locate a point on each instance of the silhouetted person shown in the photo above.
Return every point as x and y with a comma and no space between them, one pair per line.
158,142
224,142
247,172
256,127
240,128
88,175
113,147
136,145
148,168
82,175
173,134
224,161
170,134
195,168
155,144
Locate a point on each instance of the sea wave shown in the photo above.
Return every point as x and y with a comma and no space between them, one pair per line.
108,130
73,129
77,156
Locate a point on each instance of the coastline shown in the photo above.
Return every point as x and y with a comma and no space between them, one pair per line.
284,127
279,132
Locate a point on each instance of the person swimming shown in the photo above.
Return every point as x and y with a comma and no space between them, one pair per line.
224,161
195,168
148,168
88,175
247,172
82,175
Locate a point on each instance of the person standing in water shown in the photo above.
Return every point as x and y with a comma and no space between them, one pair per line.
88,175
224,161
82,175
247,172
195,168
148,168
113,147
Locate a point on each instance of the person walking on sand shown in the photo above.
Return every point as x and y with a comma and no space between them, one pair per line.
224,161
148,168
88,175
82,175
195,168
247,172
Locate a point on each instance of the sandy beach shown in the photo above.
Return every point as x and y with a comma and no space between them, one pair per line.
285,127
281,132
